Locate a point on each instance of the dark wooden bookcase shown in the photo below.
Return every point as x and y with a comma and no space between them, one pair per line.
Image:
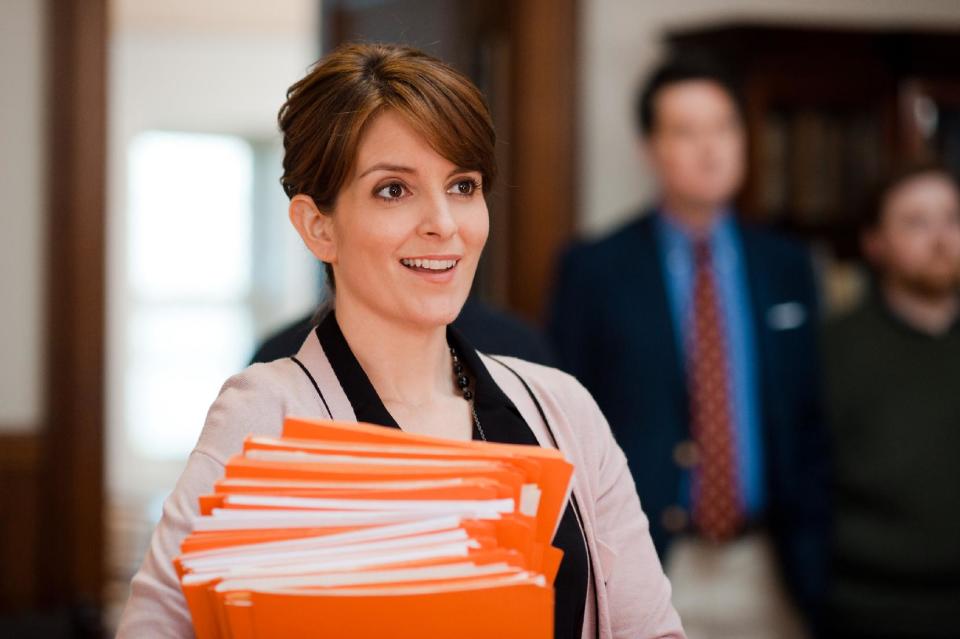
829,111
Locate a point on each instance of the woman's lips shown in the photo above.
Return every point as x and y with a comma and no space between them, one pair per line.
432,268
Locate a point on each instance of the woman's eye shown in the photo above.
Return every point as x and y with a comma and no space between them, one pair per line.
464,187
392,191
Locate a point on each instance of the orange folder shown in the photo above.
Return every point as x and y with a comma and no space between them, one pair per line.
465,488
239,466
205,600
477,611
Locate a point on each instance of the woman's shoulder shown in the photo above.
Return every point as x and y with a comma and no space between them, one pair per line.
547,382
572,416
536,372
254,401
264,384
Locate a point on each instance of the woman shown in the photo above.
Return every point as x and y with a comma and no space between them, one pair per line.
388,156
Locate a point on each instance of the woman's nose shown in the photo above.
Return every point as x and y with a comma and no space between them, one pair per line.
438,219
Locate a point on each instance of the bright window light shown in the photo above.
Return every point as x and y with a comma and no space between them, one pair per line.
189,323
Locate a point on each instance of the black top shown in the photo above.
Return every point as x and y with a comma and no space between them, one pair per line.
894,406
501,422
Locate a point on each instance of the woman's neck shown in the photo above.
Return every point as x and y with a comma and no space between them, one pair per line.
405,364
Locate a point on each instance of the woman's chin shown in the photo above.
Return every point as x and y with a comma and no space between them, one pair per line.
432,315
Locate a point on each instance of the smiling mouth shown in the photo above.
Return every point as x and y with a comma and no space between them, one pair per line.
428,266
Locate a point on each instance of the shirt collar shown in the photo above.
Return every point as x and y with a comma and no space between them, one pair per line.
499,417
674,230
366,404
677,241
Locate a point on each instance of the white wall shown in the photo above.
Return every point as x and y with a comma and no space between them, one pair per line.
213,67
22,183
621,39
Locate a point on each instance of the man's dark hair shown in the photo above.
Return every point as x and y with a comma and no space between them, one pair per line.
677,69
873,211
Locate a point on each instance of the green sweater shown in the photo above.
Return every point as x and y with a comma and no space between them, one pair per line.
894,405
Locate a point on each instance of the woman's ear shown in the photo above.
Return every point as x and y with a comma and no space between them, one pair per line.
315,227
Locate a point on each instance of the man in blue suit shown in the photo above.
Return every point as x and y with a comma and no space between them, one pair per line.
696,334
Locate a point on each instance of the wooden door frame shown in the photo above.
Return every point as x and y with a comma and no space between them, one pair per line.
543,147
71,533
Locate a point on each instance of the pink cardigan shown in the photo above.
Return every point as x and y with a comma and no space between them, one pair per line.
629,596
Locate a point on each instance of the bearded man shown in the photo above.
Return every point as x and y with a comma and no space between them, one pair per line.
893,390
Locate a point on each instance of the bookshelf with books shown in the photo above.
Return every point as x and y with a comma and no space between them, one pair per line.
829,111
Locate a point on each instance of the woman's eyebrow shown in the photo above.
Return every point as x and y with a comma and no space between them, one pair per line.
386,166
399,168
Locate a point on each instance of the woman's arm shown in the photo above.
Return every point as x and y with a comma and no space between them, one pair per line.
249,402
156,607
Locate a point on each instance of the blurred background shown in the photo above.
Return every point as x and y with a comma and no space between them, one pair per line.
143,227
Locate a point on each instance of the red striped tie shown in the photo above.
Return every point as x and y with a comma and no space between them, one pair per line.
717,508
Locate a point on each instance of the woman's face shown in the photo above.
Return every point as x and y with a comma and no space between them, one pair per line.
407,229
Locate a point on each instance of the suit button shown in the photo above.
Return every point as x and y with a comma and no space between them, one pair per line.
686,454
674,519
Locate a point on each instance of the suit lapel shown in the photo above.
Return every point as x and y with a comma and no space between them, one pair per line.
758,280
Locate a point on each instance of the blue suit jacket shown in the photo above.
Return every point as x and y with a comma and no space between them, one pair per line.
612,327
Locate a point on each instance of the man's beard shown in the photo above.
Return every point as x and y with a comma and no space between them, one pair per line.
930,285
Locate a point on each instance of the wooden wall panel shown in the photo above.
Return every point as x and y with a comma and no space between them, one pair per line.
543,145
71,565
19,514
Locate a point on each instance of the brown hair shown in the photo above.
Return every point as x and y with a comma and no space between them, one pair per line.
876,205
327,111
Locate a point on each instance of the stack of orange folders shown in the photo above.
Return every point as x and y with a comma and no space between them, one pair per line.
355,530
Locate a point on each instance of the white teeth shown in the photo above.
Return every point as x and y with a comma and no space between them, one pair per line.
433,265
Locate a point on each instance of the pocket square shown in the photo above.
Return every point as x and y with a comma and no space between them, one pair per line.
786,316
